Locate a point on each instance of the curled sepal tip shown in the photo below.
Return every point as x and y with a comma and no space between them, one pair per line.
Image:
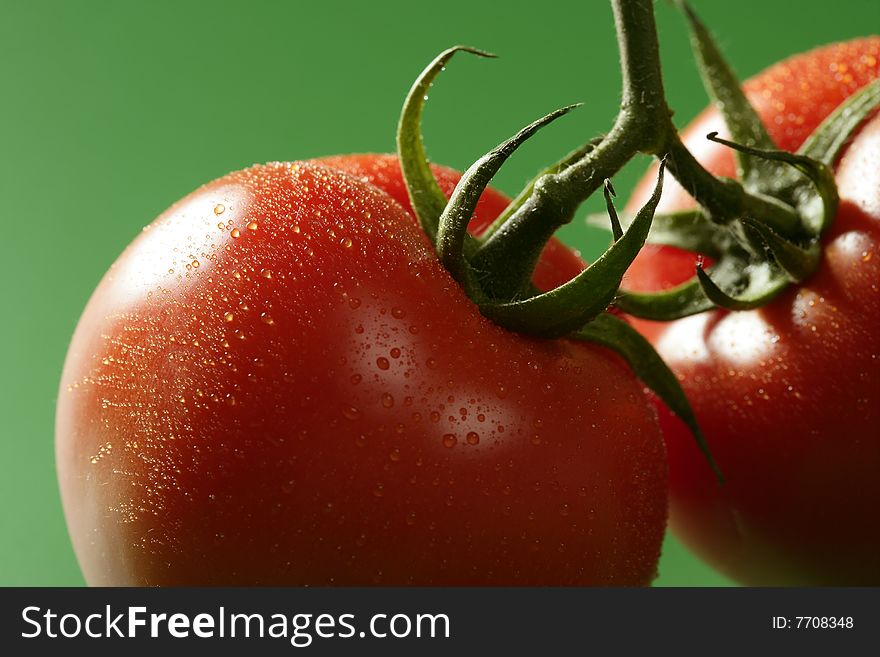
425,195
570,306
816,209
453,222
609,193
609,331
752,285
527,191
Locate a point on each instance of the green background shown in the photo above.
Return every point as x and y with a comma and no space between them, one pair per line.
110,111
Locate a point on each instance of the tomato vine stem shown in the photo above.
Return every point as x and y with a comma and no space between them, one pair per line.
509,252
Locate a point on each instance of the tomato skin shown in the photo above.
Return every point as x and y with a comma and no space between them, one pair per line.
558,264
788,395
278,384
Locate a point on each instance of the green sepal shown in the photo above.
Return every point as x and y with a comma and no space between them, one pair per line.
724,88
425,195
614,333
526,192
454,219
676,302
826,141
573,304
739,285
608,192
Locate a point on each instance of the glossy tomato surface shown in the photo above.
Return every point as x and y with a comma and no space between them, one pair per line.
788,395
277,383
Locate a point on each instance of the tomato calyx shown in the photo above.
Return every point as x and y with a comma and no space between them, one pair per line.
758,249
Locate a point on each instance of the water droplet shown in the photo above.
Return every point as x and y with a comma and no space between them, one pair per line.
355,378
394,455
296,228
382,363
267,319
378,490
473,438
481,418
346,242
361,440
253,225
235,233
195,264
387,400
398,313
535,440
395,352
228,317
219,209
411,518
449,440
266,273
351,413
354,303
431,363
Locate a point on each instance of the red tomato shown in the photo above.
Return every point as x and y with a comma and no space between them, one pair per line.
787,395
277,383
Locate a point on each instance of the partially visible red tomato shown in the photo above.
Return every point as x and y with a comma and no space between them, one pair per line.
277,383
787,395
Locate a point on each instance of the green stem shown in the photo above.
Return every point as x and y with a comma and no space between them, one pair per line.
508,255
643,123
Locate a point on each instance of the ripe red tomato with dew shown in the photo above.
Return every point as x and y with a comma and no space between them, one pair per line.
277,383
788,395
